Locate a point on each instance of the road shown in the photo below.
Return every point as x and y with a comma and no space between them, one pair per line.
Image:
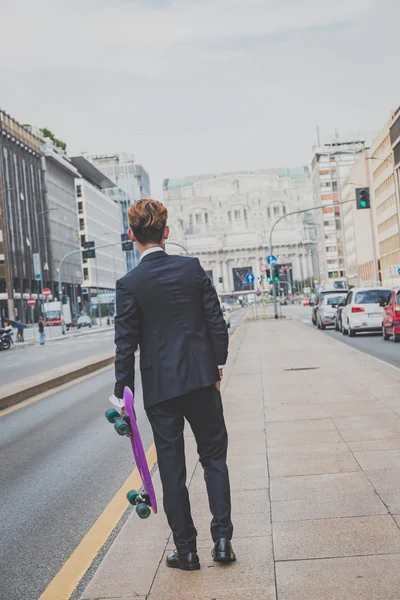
370,343
24,361
62,463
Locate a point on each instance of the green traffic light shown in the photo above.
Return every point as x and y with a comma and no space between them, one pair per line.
363,204
276,278
269,279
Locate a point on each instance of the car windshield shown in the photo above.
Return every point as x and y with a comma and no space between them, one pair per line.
371,296
52,314
333,300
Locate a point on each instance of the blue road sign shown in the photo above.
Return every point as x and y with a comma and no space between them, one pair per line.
250,278
272,260
398,270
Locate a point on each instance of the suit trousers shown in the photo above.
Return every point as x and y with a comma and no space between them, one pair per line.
204,413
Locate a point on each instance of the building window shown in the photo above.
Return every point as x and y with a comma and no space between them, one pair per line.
86,273
80,208
284,210
206,217
81,224
230,216
79,191
198,218
83,240
245,214
190,220
269,212
327,223
276,211
237,215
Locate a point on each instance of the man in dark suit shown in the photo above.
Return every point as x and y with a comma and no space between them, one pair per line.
169,307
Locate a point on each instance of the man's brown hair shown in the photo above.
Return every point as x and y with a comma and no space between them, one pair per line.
148,220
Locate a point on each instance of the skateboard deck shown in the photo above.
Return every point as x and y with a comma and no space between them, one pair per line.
126,425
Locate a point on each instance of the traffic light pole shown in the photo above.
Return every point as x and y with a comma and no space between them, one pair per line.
295,212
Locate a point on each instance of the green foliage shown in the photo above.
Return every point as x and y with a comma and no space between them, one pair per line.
46,132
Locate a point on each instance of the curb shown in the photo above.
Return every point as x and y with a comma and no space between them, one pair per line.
17,396
49,340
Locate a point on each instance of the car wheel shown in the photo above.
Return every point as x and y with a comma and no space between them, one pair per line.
323,326
396,338
318,325
352,333
344,330
386,336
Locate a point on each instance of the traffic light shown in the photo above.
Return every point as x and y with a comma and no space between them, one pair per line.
268,275
65,299
275,273
258,293
126,243
362,198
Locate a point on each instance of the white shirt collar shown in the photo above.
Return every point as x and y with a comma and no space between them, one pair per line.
150,251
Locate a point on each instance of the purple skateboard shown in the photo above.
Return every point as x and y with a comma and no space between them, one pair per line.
126,425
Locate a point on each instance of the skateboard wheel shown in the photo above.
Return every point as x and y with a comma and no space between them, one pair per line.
132,496
143,510
112,415
122,427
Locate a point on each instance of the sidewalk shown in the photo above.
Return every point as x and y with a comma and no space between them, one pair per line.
54,334
315,472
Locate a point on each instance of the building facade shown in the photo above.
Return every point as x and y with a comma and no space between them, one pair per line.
99,222
59,177
132,183
330,165
359,231
226,220
23,220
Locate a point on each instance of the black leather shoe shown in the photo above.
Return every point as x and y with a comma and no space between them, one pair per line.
185,562
223,551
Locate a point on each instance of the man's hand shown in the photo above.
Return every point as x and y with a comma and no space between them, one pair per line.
218,383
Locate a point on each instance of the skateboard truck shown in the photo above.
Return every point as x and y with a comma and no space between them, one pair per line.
121,424
141,501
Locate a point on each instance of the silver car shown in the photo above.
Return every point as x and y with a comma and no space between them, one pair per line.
327,311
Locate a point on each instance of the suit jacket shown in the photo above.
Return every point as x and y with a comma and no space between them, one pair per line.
168,306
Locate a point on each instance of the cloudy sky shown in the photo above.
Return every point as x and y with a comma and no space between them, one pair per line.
192,86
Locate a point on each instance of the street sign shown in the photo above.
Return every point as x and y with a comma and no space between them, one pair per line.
126,243
250,278
272,260
263,268
89,250
31,302
306,290
398,270
36,266
46,292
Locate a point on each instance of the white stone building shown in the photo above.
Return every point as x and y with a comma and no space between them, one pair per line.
225,220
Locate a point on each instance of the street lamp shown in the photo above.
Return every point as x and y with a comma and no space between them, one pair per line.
37,215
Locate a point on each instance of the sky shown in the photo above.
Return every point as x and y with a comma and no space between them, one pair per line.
192,87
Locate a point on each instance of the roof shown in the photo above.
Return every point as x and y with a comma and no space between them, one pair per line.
91,173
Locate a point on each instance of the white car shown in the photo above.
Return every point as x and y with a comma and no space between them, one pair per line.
84,321
327,310
363,311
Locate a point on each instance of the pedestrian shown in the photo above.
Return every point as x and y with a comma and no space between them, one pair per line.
9,330
41,332
169,307
20,331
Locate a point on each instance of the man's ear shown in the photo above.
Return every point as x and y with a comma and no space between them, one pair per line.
166,233
131,235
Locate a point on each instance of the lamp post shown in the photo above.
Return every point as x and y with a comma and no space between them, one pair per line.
296,212
179,245
37,215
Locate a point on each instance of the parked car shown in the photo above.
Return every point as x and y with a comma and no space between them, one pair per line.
318,301
391,316
84,321
327,310
338,315
363,310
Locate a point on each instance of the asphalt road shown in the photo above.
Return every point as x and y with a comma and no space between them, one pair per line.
61,464
25,361
370,343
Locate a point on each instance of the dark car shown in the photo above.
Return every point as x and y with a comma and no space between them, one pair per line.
338,316
318,301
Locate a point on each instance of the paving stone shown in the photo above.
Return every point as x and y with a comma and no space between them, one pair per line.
350,578
301,460
387,486
301,425
294,413
381,444
300,438
246,461
323,538
312,486
243,503
248,593
379,459
356,409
